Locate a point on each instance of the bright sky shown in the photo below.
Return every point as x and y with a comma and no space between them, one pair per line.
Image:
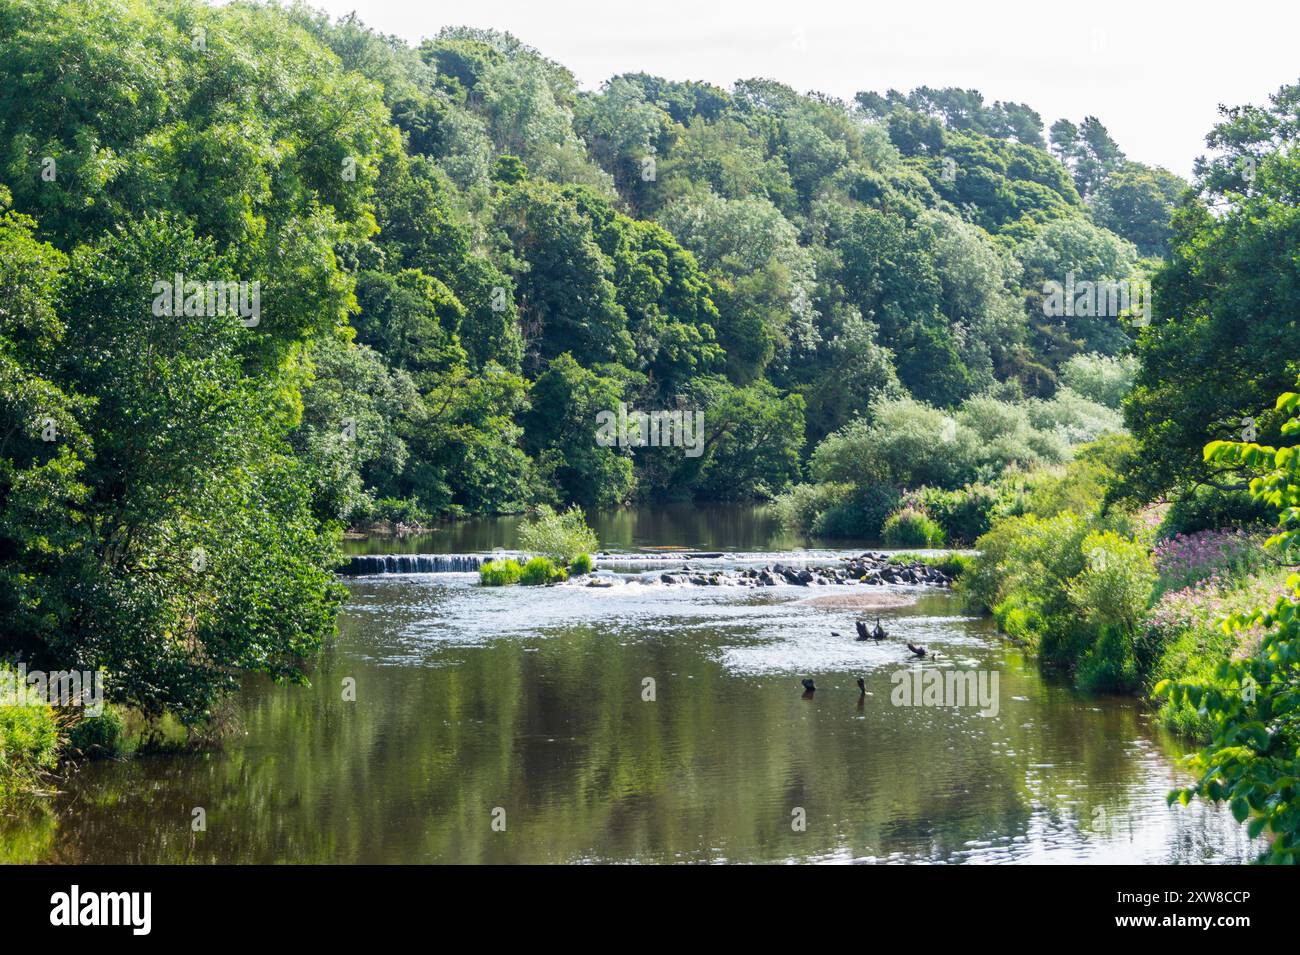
1153,72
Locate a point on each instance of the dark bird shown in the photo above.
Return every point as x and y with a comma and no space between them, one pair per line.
835,633
862,686
919,651
808,685
862,630
879,633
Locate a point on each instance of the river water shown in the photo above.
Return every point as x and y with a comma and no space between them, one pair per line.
517,725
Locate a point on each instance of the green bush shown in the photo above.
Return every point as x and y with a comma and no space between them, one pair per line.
541,570
837,509
1110,665
954,565
581,564
862,514
1020,617
98,735
799,508
910,527
561,536
1114,587
29,745
500,573
1100,378
964,514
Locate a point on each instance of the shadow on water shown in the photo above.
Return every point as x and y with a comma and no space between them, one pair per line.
533,701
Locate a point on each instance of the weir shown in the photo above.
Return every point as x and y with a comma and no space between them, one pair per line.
362,564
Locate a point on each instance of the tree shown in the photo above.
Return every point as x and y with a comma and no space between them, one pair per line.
1088,150
1137,202
1074,247
560,430
1226,296
43,447
204,553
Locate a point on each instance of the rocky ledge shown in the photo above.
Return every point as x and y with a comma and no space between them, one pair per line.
869,568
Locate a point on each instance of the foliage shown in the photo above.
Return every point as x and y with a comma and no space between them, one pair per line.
1100,378
462,260
1207,508
1251,701
541,570
1114,586
909,527
30,738
963,514
1226,297
561,536
837,510
500,573
98,736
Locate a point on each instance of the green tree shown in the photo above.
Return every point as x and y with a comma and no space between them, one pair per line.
1226,296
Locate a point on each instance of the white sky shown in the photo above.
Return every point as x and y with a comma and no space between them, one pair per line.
1153,72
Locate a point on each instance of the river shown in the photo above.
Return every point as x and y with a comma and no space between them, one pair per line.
517,725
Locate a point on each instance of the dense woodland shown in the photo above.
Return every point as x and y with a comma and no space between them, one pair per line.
463,258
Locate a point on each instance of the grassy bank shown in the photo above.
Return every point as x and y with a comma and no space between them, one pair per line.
39,743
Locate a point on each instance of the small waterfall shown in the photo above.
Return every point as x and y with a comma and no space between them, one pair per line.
365,564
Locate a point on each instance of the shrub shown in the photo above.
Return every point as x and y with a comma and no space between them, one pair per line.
1081,485
799,508
1114,587
837,509
861,515
964,514
1020,617
29,743
495,573
541,570
1029,556
98,735
1110,665
561,536
910,527
581,564
906,442
1073,419
954,565
1100,378
391,509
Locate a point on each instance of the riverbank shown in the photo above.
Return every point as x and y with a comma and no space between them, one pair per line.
1116,607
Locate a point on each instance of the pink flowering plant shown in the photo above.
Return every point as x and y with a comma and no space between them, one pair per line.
1207,557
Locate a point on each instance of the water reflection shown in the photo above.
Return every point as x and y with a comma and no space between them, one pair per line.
531,700
719,527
